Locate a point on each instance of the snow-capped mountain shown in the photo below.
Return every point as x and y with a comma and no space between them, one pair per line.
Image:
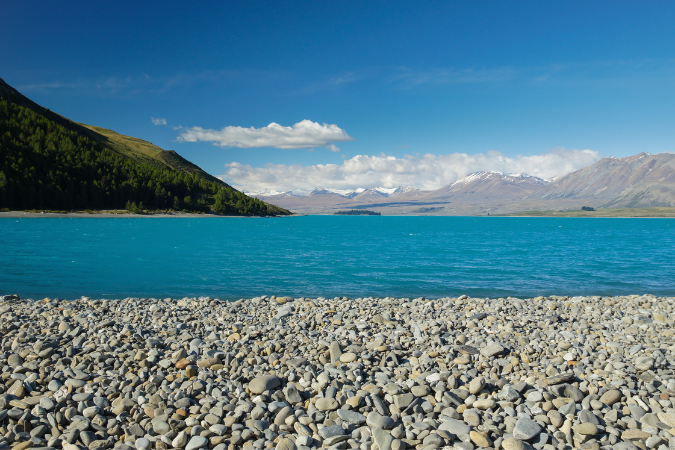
643,180
346,193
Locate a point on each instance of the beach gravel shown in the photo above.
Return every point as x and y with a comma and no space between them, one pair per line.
546,373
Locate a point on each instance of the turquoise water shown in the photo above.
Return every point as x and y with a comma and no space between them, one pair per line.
329,256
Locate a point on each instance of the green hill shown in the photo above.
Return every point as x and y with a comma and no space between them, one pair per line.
50,162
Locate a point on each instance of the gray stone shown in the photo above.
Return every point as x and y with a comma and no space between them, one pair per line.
196,442
263,383
492,350
376,420
526,429
351,417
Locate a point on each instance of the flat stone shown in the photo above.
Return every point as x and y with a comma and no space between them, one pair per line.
17,389
644,363
491,350
515,444
142,444
476,385
327,404
335,351
526,429
377,420
348,357
333,430
403,400
560,378
351,417
196,442
382,439
286,444
292,395
468,350
264,383
456,427
480,439
610,397
586,429
630,435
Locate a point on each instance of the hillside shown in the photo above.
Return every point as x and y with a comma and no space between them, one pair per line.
50,162
643,180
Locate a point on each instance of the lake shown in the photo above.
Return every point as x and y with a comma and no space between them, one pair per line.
353,256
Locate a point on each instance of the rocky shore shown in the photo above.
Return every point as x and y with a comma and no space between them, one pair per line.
369,373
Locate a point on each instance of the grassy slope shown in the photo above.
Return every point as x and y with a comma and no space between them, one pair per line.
144,151
609,212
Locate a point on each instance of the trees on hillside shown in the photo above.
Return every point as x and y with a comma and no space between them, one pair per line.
44,165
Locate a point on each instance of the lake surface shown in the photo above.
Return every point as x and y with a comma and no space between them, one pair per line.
231,258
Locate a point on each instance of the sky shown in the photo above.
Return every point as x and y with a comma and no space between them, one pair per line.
297,95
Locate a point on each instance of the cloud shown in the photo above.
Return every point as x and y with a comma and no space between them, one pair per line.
333,148
158,121
408,79
424,172
304,134
330,83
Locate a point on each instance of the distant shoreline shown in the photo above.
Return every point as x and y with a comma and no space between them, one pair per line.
618,213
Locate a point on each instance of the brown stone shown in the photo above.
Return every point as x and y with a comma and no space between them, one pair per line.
183,363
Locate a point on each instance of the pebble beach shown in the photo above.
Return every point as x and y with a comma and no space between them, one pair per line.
340,373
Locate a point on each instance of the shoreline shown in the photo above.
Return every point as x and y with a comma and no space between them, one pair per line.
106,215
552,372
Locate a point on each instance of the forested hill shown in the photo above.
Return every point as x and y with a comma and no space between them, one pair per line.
50,162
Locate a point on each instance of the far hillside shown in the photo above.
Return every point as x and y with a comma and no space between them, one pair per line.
48,162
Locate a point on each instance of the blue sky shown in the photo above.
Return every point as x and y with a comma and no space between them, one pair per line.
542,87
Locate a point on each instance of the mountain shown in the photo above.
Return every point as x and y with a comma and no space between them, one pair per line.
489,186
50,162
643,180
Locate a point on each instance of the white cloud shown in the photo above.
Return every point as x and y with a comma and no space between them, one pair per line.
304,134
158,121
332,148
424,172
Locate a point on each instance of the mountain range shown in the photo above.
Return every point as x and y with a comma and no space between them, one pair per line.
643,180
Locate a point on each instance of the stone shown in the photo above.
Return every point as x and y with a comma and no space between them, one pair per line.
142,444
480,439
264,383
351,417
630,435
644,363
455,427
17,389
515,444
492,350
286,444
526,429
476,385
327,404
586,429
196,442
348,357
610,397
383,439
335,351
377,420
